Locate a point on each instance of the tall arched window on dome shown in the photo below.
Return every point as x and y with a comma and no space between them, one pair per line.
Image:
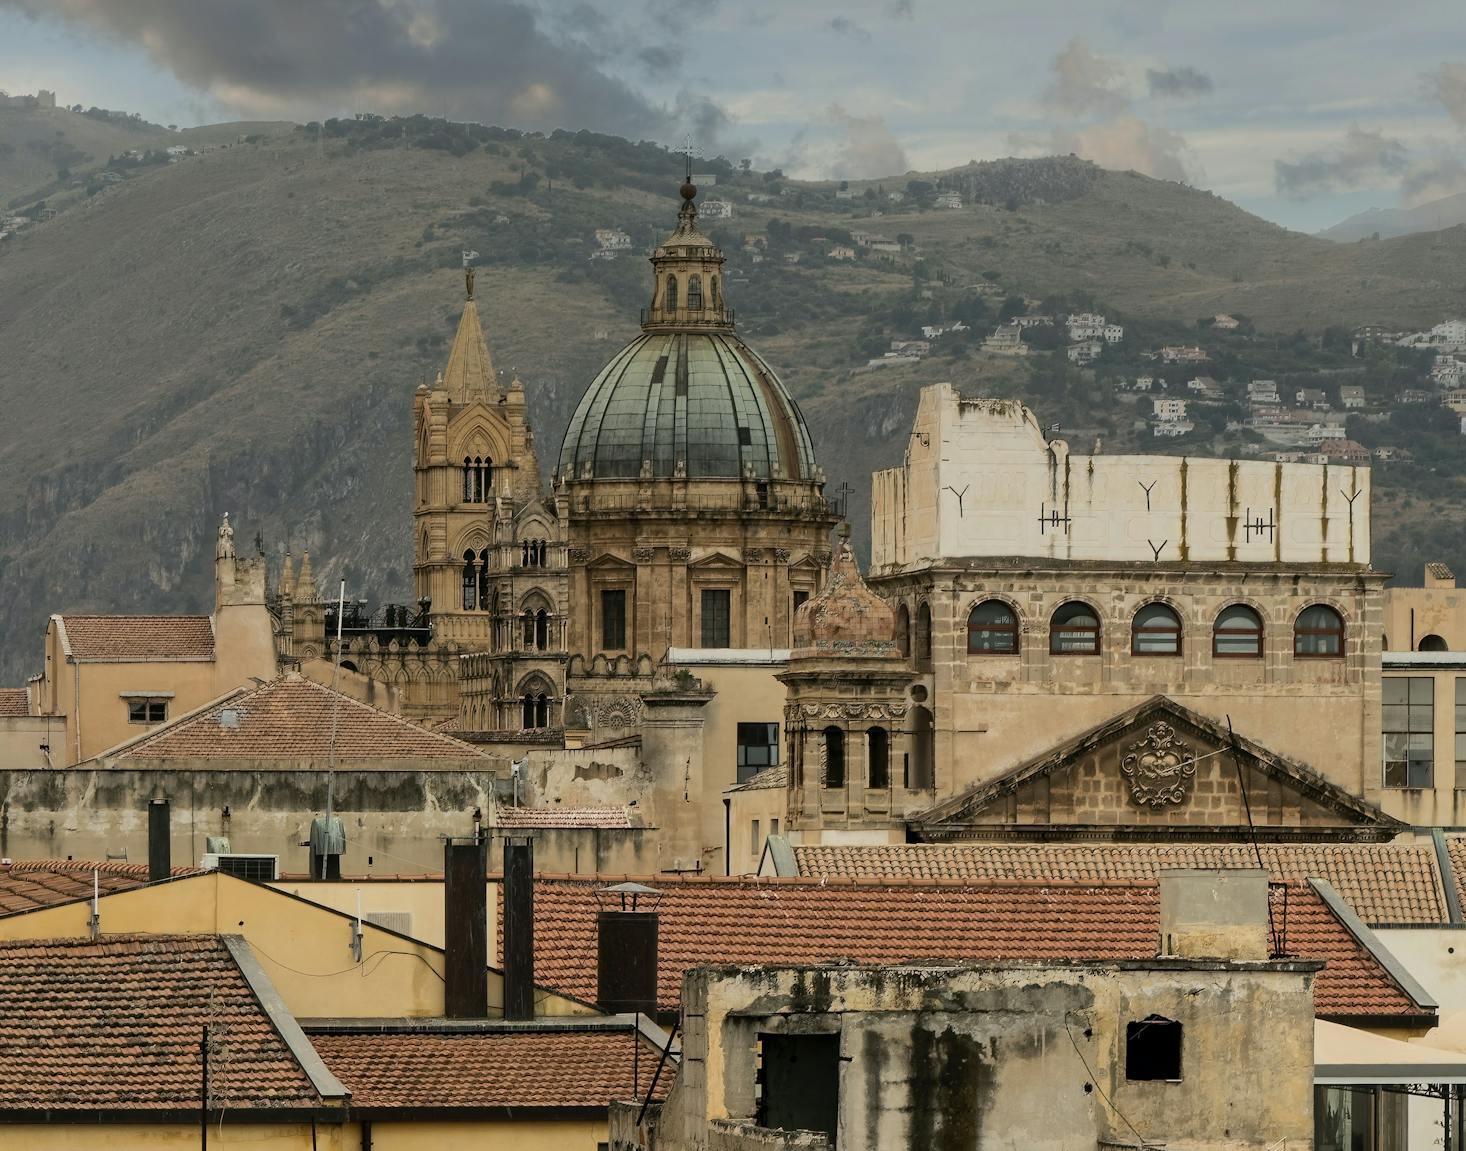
903,630
669,301
694,293
834,739
878,758
713,291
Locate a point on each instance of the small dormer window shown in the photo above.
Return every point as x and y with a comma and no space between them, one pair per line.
671,298
694,293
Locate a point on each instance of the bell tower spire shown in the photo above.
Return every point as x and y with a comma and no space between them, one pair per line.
469,374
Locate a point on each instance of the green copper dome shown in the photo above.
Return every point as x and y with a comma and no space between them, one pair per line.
699,403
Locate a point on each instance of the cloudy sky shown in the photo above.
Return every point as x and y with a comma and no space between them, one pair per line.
1303,111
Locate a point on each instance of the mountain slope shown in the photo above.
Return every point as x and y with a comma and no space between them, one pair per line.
243,330
1383,223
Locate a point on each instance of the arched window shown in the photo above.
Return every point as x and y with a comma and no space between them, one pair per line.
1156,630
536,708
1319,633
468,474
485,478
834,757
1074,630
527,620
483,580
694,292
1432,643
1237,634
921,763
470,582
670,300
992,629
924,637
878,758
903,630
541,630
544,553
713,290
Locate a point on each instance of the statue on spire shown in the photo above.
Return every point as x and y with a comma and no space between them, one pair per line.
224,547
468,279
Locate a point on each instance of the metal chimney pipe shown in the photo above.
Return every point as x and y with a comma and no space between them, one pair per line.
160,854
519,928
466,939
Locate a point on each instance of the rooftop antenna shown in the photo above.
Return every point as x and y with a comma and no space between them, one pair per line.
327,838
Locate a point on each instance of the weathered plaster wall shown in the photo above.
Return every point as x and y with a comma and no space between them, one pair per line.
980,480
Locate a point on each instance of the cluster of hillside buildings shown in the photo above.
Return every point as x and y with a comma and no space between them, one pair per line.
650,820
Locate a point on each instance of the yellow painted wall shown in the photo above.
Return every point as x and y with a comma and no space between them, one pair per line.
422,899
767,805
21,737
304,948
1412,613
529,1135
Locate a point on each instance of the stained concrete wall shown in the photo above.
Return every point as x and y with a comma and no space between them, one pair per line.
969,1058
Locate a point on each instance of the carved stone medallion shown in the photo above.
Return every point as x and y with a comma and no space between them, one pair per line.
643,555
1159,768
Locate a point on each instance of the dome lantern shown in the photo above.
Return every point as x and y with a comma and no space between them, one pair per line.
687,277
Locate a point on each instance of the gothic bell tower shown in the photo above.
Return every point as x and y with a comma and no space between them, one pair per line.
473,463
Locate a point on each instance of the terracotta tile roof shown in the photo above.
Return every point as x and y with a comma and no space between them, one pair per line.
526,1069
1384,883
27,884
116,1024
14,701
290,718
708,920
1456,849
767,778
137,638
505,816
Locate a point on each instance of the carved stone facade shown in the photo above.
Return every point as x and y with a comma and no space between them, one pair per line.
484,642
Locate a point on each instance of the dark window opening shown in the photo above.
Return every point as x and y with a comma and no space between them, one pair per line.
147,711
1156,630
878,758
1433,643
758,748
671,300
745,437
483,580
763,500
924,638
1153,1049
903,630
478,478
801,597
992,629
799,1083
536,711
834,757
921,772
470,582
717,610
694,292
613,619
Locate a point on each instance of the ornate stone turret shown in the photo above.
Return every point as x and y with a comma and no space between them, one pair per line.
687,289
470,372
305,582
846,719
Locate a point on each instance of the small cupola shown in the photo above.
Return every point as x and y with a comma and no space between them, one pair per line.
687,284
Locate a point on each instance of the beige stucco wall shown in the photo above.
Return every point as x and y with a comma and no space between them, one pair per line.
22,738
90,696
421,898
767,805
1412,613
1119,508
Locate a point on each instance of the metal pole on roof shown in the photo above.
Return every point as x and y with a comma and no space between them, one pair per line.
335,710
204,1093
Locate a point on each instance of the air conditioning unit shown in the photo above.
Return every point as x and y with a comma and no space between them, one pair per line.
261,868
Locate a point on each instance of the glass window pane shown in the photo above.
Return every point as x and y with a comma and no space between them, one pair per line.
1421,719
1394,690
1394,717
1422,689
1461,689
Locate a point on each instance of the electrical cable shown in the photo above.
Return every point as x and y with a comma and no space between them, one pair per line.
1110,1103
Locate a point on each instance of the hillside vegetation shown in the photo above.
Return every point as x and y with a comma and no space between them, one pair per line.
242,330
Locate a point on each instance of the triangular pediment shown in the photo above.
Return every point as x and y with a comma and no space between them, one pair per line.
606,561
719,560
1156,771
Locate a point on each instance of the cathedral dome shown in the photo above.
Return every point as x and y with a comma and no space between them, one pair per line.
687,398
699,403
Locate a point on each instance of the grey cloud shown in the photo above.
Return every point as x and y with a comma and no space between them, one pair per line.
1083,82
844,26
1362,157
1426,180
901,9
1448,85
487,59
1123,143
1181,83
868,147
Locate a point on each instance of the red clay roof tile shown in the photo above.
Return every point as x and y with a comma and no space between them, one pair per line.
491,1069
27,884
290,718
713,921
117,1023
505,816
14,701
1384,883
138,638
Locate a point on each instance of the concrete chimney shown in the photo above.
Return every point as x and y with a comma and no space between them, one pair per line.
1215,914
160,857
465,929
626,949
519,928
